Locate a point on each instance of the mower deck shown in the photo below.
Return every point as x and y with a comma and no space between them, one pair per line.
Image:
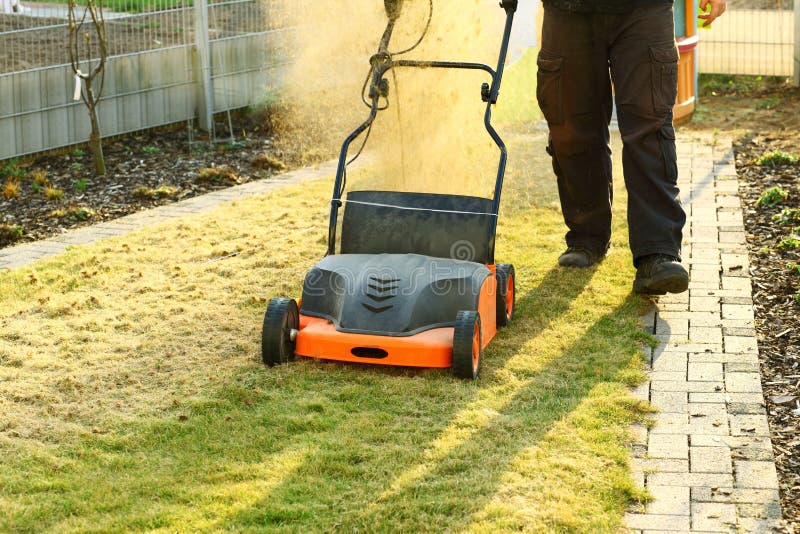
392,309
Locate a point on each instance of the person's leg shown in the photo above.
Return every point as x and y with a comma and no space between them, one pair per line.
644,68
574,93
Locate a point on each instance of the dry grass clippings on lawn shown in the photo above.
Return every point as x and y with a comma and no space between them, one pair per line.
133,397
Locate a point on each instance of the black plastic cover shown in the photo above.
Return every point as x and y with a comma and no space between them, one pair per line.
391,294
406,223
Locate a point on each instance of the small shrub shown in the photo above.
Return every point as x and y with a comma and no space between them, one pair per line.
219,175
267,162
150,150
51,193
788,216
10,234
11,189
81,213
11,169
776,158
772,197
162,191
77,166
141,191
78,153
39,182
84,213
40,178
80,185
794,269
769,103
791,242
233,145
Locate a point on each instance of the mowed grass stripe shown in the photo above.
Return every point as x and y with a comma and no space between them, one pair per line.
132,397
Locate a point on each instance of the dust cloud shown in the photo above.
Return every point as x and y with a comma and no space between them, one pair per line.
431,138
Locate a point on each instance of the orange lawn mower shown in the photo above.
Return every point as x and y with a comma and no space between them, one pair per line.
414,283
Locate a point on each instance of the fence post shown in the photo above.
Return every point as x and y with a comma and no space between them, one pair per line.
205,84
797,43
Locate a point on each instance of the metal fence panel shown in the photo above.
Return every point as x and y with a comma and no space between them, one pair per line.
239,76
143,91
752,37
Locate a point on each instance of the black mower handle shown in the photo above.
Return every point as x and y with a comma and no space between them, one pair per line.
393,8
381,63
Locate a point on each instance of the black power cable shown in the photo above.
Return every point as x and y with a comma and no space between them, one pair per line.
422,37
400,53
369,76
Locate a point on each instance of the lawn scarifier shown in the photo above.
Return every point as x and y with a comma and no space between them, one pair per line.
415,283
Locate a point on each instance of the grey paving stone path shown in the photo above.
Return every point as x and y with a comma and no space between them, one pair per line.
22,255
708,460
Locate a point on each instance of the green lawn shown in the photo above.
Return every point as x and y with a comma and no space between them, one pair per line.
132,396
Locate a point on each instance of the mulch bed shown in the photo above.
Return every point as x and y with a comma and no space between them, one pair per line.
144,171
776,290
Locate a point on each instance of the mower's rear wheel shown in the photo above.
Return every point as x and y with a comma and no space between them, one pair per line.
506,294
281,323
467,345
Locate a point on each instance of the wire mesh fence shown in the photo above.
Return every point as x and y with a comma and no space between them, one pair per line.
36,35
155,74
753,37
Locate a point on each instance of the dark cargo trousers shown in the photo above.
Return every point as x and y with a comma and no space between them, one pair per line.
581,54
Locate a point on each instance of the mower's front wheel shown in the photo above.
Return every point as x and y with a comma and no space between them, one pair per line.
281,323
467,345
506,293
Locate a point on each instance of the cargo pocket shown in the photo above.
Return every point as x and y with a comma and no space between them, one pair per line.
666,138
664,69
549,89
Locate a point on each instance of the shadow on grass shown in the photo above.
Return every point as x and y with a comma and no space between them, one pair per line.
450,464
316,446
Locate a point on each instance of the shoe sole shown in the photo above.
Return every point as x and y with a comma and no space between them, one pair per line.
570,265
661,285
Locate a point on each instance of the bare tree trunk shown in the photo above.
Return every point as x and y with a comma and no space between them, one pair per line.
95,141
90,82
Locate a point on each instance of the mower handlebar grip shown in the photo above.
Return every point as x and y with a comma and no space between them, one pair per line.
393,8
509,5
